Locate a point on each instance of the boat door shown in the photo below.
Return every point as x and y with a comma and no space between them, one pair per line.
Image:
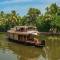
19,37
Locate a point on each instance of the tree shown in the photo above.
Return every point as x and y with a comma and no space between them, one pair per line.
43,23
33,13
53,11
14,19
2,14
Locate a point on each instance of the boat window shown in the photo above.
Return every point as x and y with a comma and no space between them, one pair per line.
17,29
30,37
22,29
31,28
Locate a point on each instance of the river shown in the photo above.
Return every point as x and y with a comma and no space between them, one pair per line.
14,51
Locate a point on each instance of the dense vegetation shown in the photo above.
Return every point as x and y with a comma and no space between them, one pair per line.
50,21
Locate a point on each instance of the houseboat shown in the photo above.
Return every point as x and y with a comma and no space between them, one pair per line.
26,35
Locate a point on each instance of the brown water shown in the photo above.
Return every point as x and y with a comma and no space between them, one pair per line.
14,51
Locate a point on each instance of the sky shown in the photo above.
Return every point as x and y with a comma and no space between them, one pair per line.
22,6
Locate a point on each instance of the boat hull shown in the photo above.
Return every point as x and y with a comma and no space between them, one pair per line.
29,43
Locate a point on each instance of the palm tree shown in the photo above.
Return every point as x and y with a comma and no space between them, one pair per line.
32,14
53,8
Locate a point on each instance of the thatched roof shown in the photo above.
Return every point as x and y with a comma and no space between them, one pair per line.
33,32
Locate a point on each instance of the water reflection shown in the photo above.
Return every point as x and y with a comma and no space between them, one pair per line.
6,54
14,51
53,48
27,52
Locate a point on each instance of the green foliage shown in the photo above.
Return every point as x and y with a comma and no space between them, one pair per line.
43,25
33,13
49,21
8,20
